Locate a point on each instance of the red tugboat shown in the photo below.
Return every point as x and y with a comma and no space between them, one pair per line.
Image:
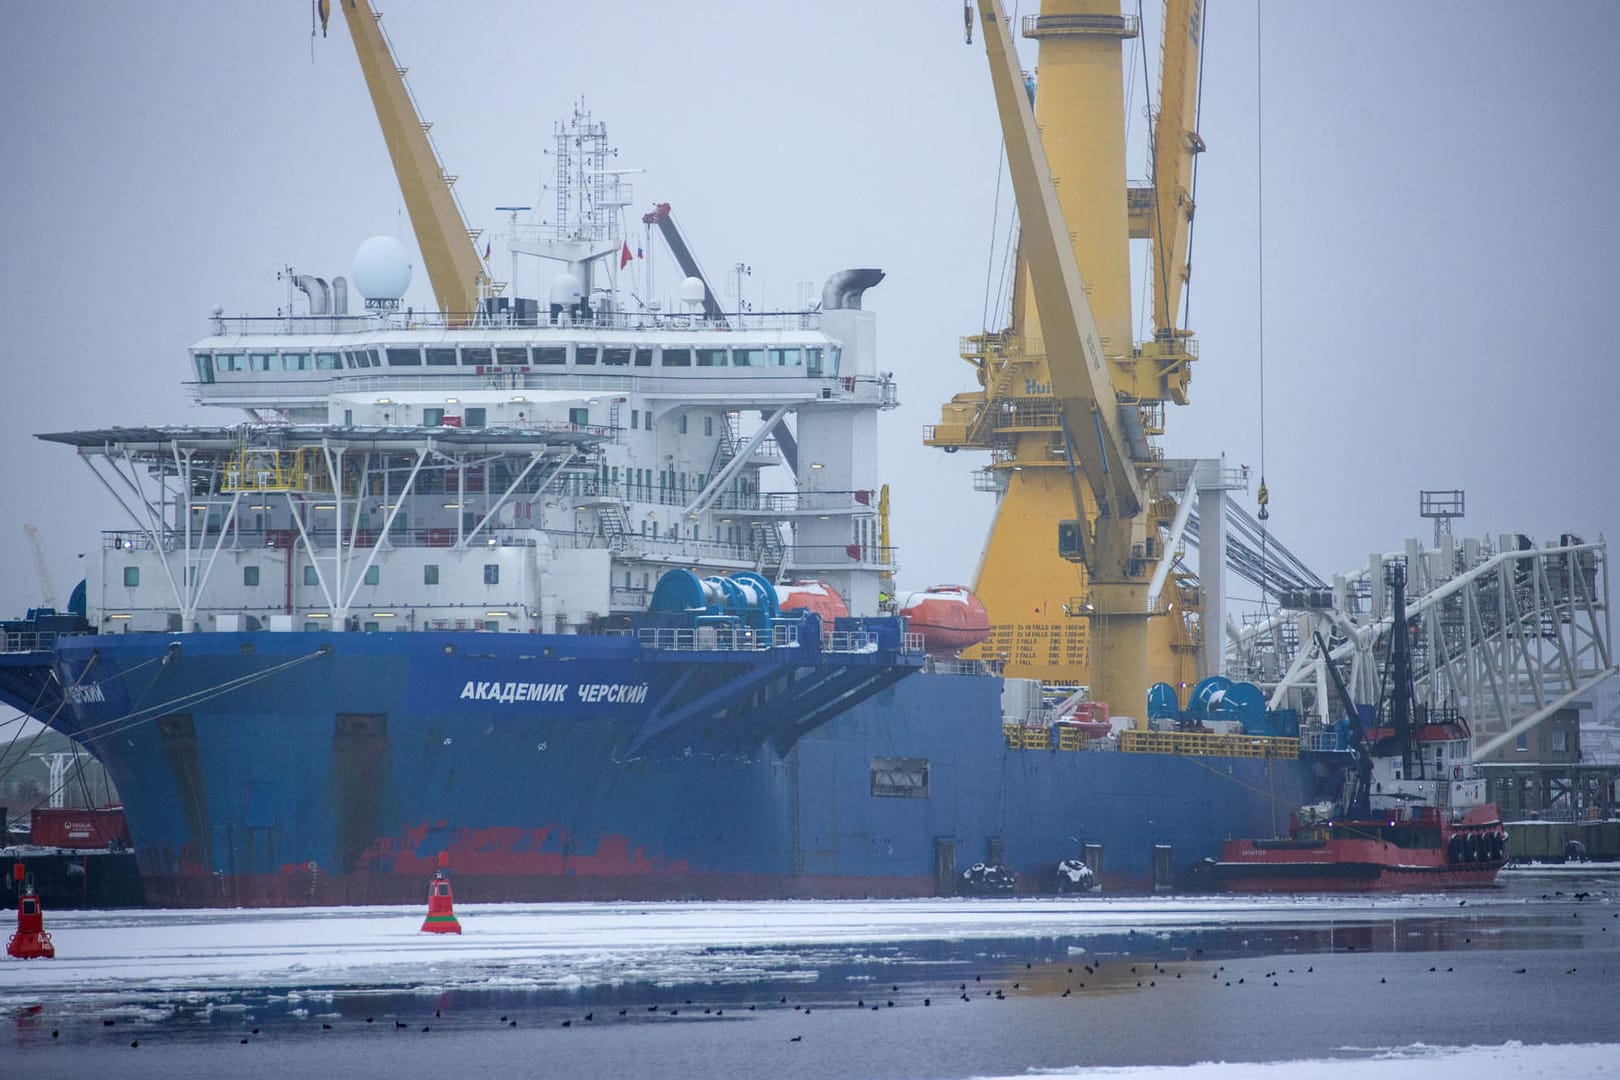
1411,815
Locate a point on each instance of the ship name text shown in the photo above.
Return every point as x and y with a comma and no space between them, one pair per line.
611,693
89,693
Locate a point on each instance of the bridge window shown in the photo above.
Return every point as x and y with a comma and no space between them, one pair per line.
616,357
492,573
478,356
551,354
786,358
404,357
677,357
812,361
296,361
442,357
132,576
366,357
512,355
747,357
711,358
584,354
205,367
264,362
643,358
326,361
473,417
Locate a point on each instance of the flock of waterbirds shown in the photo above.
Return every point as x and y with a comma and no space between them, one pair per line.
1076,980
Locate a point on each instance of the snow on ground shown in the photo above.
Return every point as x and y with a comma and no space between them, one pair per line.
1416,1062
559,945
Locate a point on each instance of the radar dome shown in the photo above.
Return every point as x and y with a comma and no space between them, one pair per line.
381,271
566,290
692,290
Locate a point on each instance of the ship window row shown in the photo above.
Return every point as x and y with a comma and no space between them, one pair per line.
816,361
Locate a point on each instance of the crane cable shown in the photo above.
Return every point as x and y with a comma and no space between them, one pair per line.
1263,496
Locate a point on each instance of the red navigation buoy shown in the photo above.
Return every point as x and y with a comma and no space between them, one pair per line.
30,942
441,916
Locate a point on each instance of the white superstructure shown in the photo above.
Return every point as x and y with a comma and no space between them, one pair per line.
533,467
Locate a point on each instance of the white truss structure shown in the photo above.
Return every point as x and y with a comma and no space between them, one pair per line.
1506,635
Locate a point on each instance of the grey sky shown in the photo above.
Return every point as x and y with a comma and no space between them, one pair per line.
1438,301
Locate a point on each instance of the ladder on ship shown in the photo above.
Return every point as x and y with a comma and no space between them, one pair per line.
613,526
766,539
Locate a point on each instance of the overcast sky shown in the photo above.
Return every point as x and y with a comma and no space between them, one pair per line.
1439,217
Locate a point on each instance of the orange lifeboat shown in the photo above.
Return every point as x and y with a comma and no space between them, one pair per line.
815,596
949,618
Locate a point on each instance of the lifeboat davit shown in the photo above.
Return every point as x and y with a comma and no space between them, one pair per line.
949,618
814,596
1090,718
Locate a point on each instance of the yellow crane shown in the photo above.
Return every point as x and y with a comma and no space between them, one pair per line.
1176,145
454,268
1065,393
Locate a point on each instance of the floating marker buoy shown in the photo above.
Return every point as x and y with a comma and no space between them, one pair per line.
30,942
441,916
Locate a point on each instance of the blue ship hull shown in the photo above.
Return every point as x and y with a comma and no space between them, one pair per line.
259,769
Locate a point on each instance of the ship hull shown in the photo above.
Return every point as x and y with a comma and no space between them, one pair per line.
255,771
1359,863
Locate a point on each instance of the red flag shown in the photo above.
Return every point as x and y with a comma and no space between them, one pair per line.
624,256
486,250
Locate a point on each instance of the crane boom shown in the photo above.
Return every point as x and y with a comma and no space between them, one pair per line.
41,567
454,268
1175,146
1080,378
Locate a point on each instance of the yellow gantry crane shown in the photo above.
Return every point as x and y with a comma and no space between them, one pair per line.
449,253
1065,394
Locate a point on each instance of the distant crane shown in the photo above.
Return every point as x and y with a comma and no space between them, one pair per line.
47,587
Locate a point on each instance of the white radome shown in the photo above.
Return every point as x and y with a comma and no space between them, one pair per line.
381,269
566,289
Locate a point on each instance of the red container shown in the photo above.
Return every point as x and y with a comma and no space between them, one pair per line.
78,828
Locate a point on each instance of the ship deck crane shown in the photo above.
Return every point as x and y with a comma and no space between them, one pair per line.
454,268
1176,146
1094,433
41,566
